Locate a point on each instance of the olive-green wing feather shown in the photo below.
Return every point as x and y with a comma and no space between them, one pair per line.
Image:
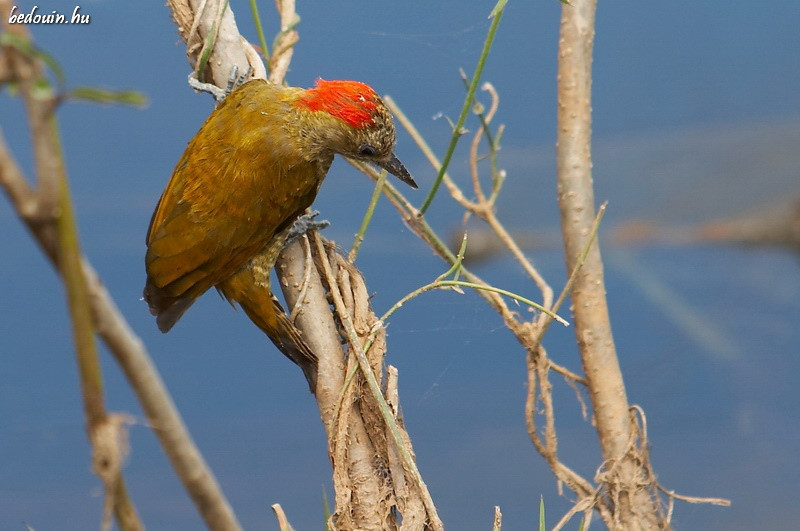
238,184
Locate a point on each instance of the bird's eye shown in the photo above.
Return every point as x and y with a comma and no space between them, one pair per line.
367,151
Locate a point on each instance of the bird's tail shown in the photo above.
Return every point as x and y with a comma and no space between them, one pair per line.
261,306
166,309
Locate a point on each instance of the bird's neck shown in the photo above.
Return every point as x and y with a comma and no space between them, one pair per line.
316,133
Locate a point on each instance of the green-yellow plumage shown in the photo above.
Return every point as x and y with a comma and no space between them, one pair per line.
252,169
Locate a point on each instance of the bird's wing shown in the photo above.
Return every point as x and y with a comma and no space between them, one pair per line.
205,226
237,185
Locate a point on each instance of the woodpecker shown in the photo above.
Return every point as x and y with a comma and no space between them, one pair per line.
251,170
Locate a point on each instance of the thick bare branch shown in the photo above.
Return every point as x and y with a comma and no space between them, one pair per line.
408,491
196,20
635,506
315,315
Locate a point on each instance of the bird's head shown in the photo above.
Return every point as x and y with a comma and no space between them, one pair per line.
357,123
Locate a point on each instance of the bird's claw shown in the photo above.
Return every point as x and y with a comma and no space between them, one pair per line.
305,223
212,89
234,82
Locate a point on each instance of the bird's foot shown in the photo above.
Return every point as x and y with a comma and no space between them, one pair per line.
234,81
305,223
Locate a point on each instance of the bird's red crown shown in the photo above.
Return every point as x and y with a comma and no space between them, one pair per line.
351,101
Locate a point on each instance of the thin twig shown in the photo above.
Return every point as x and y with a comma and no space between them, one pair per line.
423,146
497,14
283,522
420,226
575,482
580,506
497,523
283,48
484,210
723,502
486,119
545,323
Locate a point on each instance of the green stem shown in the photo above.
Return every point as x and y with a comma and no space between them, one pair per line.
482,115
260,31
71,266
497,13
507,293
422,227
444,283
376,194
78,299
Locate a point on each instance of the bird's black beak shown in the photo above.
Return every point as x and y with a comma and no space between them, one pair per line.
396,168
